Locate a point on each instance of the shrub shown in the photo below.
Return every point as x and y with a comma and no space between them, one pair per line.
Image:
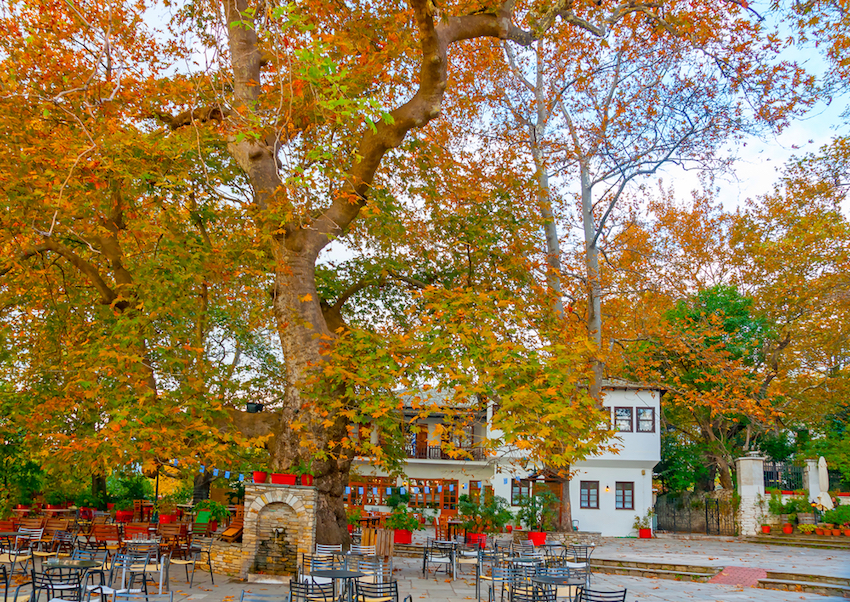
837,516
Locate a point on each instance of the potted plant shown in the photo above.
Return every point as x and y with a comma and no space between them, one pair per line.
218,512
806,529
765,528
482,517
260,476
123,511
166,508
403,523
282,478
305,471
643,525
537,512
352,517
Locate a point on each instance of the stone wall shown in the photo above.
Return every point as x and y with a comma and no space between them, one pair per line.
276,516
227,558
577,537
272,509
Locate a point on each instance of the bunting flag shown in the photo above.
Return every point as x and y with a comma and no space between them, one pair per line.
241,477
348,491
203,468
506,480
226,474
215,472
427,490
402,490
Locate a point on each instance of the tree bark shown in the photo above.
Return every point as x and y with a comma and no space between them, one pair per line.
594,284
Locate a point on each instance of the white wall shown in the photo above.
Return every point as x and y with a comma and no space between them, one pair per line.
608,520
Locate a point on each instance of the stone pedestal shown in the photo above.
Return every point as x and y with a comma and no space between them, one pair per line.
810,478
751,490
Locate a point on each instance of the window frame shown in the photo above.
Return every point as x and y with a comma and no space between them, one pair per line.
620,499
519,491
588,486
631,428
638,420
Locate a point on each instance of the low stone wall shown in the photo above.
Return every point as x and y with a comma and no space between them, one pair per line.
227,558
577,537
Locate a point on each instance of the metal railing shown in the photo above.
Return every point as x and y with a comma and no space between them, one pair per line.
785,476
438,452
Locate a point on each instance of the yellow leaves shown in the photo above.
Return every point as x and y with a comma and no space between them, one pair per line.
306,298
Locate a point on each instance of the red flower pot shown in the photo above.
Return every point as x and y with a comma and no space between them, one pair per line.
645,533
124,516
847,532
509,528
167,518
787,529
22,506
538,538
402,536
283,479
306,479
110,506
350,528
765,528
836,532
212,526
476,539
819,531
260,476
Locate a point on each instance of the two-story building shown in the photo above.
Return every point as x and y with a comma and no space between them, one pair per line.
606,491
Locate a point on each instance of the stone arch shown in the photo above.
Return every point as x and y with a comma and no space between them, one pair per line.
273,509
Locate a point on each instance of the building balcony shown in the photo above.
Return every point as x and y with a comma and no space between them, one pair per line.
437,452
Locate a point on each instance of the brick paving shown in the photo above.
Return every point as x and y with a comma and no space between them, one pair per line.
740,576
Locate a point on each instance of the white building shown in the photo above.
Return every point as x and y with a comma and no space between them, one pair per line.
606,491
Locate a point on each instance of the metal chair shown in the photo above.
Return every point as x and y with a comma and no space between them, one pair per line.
439,553
467,555
327,549
596,595
363,550
534,594
60,584
502,575
186,555
311,592
385,592
310,563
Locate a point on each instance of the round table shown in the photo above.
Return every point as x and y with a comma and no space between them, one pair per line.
8,533
559,581
341,574
71,563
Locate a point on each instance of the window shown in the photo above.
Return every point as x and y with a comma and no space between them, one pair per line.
519,490
625,496
623,420
646,420
475,491
589,494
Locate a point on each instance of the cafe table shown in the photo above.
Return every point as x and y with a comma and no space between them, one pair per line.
572,582
346,576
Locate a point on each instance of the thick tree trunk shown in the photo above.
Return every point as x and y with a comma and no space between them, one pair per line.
201,486
98,490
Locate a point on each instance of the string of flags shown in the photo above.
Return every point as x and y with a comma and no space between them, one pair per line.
402,490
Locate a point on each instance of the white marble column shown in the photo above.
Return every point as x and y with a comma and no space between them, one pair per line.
751,490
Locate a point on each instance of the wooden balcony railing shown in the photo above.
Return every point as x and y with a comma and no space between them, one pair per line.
437,452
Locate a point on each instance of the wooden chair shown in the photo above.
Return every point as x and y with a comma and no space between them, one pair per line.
107,537
55,524
136,531
32,523
234,529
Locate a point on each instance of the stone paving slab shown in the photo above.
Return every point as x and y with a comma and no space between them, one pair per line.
726,551
462,589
